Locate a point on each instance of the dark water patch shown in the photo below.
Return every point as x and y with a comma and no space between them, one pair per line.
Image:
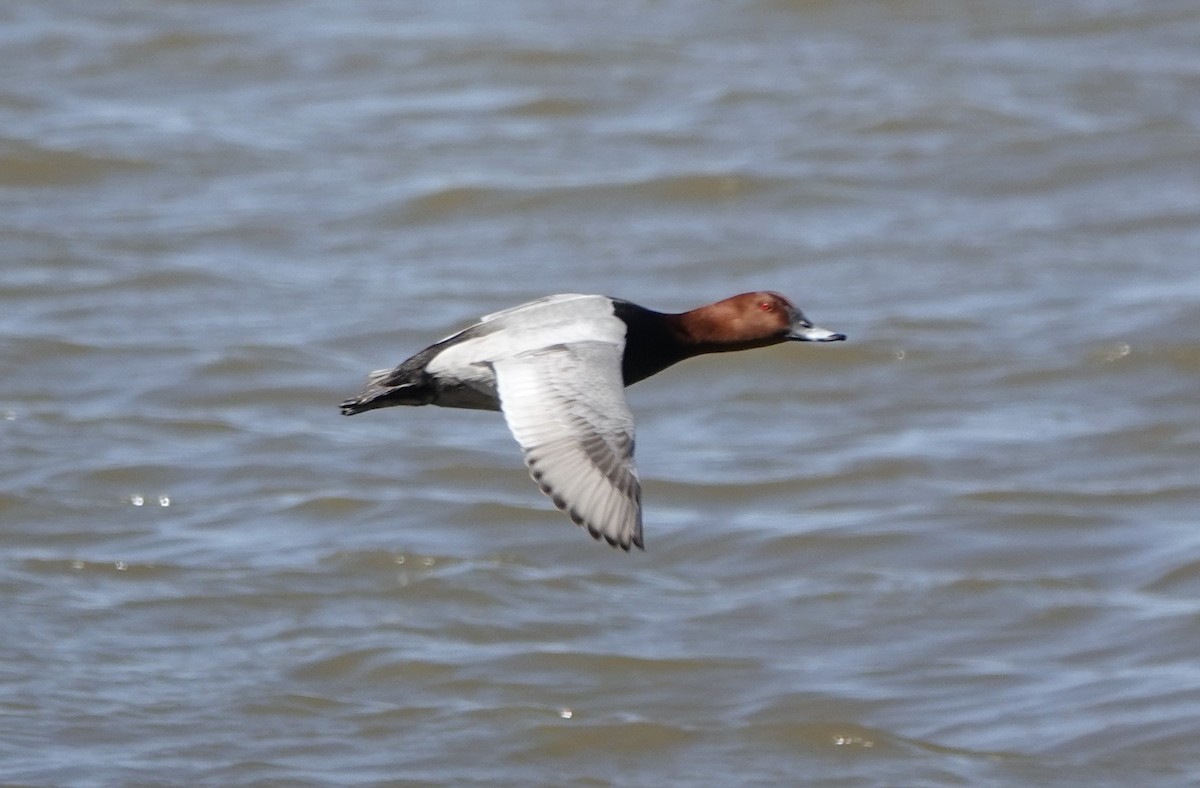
451,200
581,738
386,564
529,56
705,187
987,583
347,665
281,396
324,507
258,360
1138,356
273,595
1073,507
1181,579
112,475
30,166
59,277
196,52
176,278
823,738
552,107
634,668
295,704
497,513
729,496
33,349
1081,21
828,541
488,200
132,570
465,476
17,102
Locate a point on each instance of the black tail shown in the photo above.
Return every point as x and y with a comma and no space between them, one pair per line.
407,384
351,406
383,392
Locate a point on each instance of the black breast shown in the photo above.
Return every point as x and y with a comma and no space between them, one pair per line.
651,343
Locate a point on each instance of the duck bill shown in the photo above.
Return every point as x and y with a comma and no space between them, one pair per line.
807,332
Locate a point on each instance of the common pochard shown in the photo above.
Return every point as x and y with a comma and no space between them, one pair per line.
557,368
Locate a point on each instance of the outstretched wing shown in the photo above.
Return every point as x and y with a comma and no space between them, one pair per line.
565,405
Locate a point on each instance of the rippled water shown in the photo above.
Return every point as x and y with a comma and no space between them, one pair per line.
960,549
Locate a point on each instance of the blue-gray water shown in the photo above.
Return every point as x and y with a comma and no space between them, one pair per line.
962,548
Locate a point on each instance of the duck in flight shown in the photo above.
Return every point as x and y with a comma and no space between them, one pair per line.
557,369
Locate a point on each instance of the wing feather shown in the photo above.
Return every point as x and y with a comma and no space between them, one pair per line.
565,405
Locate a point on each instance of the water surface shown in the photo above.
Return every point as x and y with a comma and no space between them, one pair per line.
959,549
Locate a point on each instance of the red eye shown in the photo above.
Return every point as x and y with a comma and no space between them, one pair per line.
766,306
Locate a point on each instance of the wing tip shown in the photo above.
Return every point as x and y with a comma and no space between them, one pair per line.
625,542
634,540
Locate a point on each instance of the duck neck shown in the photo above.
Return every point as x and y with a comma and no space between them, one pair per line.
653,341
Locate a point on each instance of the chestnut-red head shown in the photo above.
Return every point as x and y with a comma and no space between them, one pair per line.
751,320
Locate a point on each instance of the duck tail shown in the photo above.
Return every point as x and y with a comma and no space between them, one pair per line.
384,390
357,405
